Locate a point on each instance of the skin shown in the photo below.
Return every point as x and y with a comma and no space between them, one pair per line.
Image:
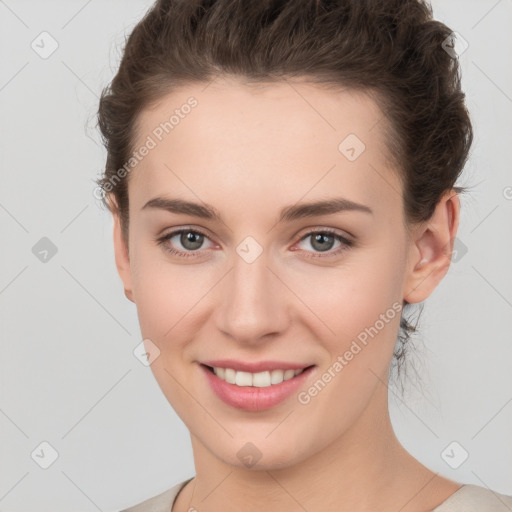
249,152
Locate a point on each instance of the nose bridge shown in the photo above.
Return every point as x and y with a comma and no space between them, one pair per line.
253,303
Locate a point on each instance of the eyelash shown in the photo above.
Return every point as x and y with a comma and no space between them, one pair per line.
345,243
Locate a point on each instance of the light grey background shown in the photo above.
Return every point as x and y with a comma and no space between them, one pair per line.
67,372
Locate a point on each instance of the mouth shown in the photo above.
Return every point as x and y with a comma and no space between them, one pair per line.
255,391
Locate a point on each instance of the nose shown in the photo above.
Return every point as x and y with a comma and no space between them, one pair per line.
253,301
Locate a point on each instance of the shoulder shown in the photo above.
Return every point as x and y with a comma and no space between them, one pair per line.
474,498
161,502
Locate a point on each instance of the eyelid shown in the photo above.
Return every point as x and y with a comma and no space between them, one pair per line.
332,231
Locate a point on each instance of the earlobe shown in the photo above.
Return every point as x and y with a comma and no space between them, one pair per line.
431,249
122,258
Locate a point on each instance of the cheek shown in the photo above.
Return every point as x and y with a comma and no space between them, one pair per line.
361,304
168,296
355,294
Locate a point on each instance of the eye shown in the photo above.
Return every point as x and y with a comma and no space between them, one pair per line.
323,240
190,239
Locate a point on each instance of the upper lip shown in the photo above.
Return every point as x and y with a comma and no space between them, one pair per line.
254,367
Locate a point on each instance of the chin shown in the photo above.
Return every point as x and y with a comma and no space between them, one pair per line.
260,452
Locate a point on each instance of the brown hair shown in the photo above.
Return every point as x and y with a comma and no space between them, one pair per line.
390,49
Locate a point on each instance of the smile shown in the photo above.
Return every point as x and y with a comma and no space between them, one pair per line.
255,391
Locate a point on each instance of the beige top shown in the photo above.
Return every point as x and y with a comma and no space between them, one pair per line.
469,498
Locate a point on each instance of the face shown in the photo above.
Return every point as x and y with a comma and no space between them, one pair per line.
268,279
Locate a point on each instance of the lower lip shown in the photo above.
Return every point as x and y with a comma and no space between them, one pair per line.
252,398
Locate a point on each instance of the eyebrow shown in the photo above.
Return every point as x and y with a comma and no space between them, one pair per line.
288,214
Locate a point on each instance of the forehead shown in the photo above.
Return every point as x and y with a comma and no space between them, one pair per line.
279,139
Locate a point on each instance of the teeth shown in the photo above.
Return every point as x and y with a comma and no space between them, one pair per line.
243,379
258,380
230,375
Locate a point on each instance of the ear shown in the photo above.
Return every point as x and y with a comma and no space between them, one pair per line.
122,258
431,249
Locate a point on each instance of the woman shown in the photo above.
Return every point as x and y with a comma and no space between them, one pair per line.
282,180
